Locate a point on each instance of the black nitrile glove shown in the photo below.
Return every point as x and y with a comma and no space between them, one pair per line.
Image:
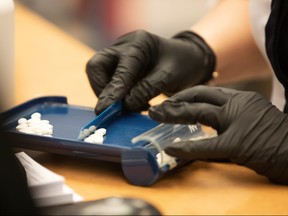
141,65
251,131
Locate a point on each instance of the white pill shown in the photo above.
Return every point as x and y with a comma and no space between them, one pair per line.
32,121
95,138
35,125
22,120
93,135
158,158
47,126
101,131
177,139
98,139
44,122
37,130
36,115
47,135
82,136
86,132
47,131
166,159
21,126
92,128
27,130
88,139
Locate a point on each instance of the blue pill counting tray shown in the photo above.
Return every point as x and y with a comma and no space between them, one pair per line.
138,158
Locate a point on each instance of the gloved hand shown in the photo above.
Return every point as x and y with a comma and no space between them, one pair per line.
141,65
251,131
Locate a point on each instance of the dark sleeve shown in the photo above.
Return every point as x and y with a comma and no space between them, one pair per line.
276,33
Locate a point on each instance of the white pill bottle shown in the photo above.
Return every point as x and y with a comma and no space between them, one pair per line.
7,73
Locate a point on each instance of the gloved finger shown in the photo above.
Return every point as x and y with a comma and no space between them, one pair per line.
213,95
206,149
146,89
187,113
100,69
126,75
138,97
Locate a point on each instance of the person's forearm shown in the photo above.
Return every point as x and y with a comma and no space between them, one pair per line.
226,28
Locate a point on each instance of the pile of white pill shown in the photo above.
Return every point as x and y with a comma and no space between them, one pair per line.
165,159
97,137
35,125
86,132
93,135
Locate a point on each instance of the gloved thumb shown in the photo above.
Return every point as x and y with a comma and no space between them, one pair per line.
206,149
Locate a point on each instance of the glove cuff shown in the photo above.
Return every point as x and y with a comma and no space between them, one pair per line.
209,55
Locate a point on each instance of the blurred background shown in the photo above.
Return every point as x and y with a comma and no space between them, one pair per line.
98,22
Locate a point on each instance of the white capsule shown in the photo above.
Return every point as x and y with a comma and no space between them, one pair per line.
101,131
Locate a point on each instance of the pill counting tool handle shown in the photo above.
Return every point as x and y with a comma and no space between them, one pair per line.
112,111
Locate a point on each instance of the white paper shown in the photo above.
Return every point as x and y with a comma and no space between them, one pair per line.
47,188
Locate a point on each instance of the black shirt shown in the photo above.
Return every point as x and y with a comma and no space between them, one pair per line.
276,33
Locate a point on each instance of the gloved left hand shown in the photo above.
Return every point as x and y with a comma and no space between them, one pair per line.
251,131
141,65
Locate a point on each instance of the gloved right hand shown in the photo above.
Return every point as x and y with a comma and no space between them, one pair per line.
141,65
252,132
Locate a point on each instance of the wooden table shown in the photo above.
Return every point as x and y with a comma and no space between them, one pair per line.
50,62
